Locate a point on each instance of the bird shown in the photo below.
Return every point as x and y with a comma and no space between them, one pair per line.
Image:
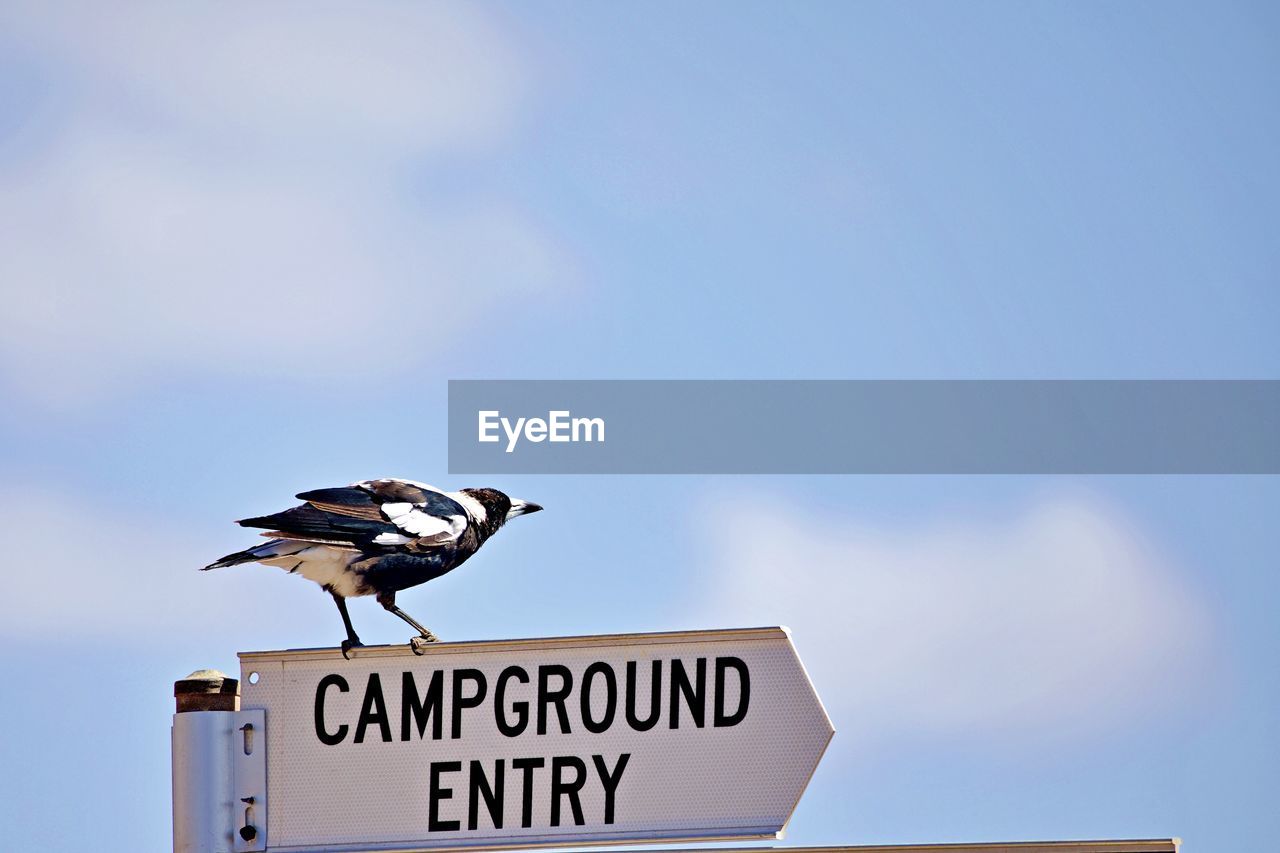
377,537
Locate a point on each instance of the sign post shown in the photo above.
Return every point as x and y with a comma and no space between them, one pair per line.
219,773
690,736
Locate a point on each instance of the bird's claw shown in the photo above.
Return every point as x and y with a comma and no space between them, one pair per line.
348,645
419,644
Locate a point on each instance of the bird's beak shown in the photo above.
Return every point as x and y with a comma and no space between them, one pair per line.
519,507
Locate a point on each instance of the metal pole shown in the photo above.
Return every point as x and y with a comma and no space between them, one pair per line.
203,728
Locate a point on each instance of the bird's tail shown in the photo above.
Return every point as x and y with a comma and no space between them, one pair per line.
265,551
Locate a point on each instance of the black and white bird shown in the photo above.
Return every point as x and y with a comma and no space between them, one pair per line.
377,537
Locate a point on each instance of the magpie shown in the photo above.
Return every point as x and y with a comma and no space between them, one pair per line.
377,537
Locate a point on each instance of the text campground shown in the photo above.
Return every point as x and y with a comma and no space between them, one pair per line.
677,693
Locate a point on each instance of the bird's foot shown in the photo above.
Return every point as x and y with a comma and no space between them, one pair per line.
419,644
348,645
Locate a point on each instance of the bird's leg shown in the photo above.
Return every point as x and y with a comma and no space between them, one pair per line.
352,640
388,600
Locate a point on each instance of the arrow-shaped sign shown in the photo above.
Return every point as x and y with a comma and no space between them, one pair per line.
700,735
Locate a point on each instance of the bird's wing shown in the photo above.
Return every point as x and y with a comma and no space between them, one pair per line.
311,523
415,510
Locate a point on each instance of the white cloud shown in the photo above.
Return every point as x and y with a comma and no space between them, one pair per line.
1060,620
411,76
217,191
77,571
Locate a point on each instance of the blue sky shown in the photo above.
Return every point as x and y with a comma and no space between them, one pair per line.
243,248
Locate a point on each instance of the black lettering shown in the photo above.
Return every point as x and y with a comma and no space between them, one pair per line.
744,691
374,710
559,787
547,696
492,795
325,683
695,696
655,697
434,823
521,709
460,701
610,780
610,697
431,706
526,798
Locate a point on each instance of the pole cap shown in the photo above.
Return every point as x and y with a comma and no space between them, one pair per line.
207,690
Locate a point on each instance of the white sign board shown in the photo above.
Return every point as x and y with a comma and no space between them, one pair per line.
704,735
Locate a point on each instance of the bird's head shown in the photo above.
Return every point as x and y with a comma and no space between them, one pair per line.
498,507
